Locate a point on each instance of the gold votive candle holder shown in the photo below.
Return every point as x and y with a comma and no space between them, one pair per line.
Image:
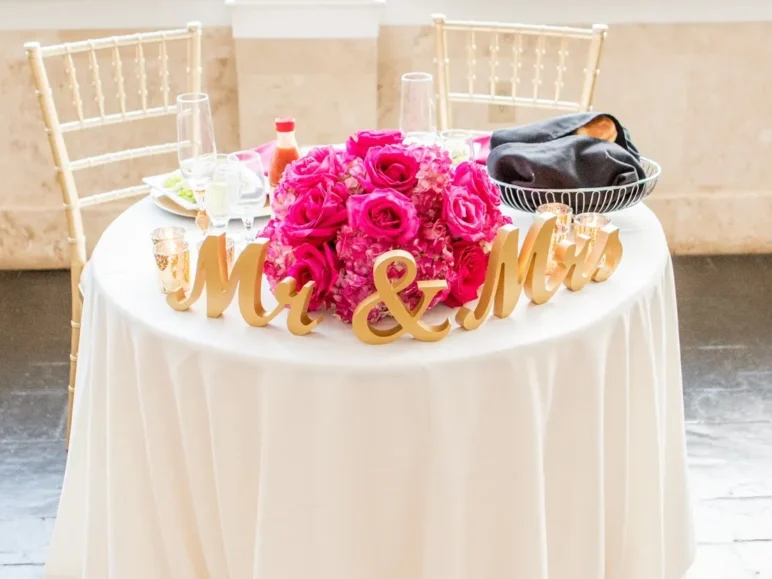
564,215
172,259
167,234
230,252
589,225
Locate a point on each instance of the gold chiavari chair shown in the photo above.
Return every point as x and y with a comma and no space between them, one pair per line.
142,43
517,95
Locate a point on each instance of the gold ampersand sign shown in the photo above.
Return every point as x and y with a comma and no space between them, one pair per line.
387,292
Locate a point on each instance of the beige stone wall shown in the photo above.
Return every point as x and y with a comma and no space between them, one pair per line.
32,223
694,96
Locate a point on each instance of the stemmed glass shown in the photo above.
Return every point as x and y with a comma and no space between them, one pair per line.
252,189
416,112
222,193
196,149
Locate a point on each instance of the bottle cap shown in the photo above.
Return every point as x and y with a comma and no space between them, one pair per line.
285,124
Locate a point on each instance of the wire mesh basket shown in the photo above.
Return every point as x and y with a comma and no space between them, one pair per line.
589,200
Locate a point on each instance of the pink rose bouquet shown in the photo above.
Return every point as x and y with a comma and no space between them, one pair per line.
337,210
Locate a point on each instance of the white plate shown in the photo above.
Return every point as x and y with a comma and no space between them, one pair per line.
157,183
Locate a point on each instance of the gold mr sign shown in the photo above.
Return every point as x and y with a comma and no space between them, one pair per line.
508,274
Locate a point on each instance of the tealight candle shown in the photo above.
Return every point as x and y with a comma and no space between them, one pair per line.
167,234
564,214
589,225
172,258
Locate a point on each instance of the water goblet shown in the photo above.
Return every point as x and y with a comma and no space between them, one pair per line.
252,191
222,194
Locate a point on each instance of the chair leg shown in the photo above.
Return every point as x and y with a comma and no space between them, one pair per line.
75,338
77,310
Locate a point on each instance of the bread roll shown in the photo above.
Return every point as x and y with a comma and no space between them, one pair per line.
601,127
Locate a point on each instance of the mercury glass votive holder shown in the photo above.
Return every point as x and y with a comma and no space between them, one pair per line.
564,215
167,234
230,252
589,225
172,260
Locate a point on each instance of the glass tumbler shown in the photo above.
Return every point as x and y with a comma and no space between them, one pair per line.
458,144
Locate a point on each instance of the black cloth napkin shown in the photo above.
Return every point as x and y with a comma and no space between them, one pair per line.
547,155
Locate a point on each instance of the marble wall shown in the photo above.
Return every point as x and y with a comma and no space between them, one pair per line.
692,95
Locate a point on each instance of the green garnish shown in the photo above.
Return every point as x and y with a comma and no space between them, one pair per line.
186,194
172,181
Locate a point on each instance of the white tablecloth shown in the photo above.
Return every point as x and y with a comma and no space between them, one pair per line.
549,445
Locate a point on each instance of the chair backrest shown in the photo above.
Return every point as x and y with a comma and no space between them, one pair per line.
508,74
155,43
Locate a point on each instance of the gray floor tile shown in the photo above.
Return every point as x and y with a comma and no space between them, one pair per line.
720,562
730,520
21,572
30,479
33,416
730,460
25,540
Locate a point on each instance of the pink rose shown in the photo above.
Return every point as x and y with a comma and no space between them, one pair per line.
317,265
359,143
474,178
317,214
465,213
384,215
392,167
471,264
320,163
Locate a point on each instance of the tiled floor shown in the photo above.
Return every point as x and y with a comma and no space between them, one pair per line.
726,335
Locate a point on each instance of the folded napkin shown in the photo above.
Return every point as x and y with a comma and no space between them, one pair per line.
482,148
266,152
548,155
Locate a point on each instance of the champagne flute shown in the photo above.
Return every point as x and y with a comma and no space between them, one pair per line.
252,191
222,193
416,112
196,149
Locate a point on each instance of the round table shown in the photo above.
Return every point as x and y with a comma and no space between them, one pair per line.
548,445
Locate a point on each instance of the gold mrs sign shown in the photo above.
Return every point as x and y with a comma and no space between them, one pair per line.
509,273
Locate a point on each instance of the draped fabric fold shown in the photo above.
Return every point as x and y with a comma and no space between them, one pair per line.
548,445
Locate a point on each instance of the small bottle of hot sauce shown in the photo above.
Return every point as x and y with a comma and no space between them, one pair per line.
286,150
